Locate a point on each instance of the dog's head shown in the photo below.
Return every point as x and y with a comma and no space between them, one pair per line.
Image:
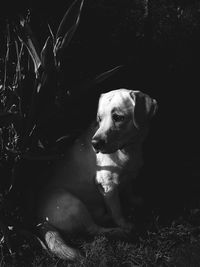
121,115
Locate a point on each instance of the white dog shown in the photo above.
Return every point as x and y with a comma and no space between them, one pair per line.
102,162
123,117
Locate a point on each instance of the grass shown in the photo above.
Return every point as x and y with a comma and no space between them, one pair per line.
175,245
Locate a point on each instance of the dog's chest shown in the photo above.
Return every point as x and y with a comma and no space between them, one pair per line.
116,160
115,168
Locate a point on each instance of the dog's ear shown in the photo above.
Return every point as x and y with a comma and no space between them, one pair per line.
145,108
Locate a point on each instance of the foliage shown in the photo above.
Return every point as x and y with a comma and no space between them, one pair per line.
30,95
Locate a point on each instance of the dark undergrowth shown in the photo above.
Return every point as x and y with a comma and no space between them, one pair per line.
175,245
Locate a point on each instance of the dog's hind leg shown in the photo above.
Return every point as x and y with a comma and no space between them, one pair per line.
65,216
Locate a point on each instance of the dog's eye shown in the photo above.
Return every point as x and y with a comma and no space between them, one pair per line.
118,118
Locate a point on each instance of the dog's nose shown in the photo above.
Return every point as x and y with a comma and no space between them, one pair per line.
98,144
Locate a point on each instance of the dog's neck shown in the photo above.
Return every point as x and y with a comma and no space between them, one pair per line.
135,143
124,160
130,147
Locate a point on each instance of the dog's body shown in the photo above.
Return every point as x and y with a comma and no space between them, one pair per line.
86,184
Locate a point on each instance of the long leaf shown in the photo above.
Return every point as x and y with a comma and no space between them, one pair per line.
47,56
68,26
86,86
70,18
103,76
6,56
26,36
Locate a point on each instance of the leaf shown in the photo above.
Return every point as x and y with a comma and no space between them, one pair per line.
47,56
70,18
68,26
103,76
26,36
85,86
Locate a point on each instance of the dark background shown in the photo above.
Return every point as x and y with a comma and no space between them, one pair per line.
159,46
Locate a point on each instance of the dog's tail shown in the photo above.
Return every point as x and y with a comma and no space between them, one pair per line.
51,240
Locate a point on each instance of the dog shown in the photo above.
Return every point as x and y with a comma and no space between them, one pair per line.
84,188
123,117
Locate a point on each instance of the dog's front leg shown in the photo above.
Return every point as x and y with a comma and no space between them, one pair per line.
112,201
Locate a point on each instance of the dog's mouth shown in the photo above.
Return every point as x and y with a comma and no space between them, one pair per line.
105,147
106,150
96,150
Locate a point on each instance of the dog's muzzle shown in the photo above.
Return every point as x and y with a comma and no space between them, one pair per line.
98,144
